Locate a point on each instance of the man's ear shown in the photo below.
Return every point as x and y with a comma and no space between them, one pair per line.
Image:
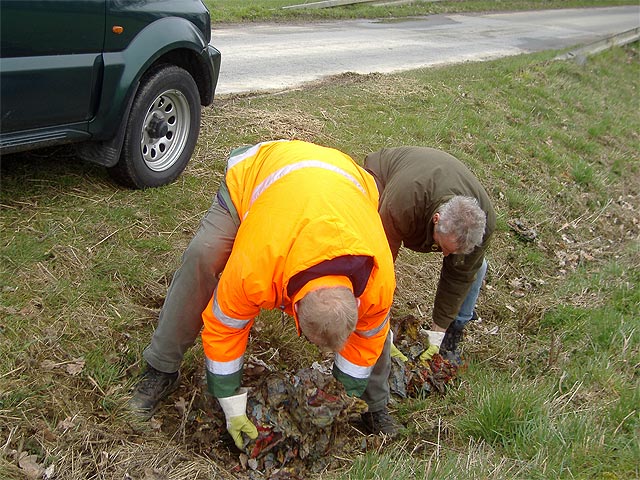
436,217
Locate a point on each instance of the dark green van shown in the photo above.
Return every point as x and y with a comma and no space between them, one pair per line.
122,79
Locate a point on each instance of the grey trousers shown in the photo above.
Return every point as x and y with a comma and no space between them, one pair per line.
190,290
180,320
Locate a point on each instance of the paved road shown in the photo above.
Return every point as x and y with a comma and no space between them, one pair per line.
276,57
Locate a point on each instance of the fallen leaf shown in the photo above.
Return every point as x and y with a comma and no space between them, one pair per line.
65,424
181,405
324,369
154,474
49,435
75,367
48,365
50,472
522,230
29,465
155,423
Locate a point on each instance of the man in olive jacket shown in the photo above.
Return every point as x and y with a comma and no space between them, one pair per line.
415,185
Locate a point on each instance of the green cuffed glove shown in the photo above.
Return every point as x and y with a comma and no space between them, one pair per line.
235,412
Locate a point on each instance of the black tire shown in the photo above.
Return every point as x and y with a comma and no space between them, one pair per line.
162,129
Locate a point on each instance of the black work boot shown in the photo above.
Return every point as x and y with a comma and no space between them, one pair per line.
450,346
379,422
152,387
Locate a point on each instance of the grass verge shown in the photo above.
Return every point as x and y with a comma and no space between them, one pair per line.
552,387
232,11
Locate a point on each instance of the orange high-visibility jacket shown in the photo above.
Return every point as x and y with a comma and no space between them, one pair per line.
308,219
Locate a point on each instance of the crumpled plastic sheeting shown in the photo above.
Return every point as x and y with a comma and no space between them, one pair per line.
299,416
416,378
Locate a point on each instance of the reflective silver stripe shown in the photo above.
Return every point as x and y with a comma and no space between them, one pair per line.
376,330
226,320
278,174
224,368
250,152
351,369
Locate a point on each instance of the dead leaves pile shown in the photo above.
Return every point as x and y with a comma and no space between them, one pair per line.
302,419
417,378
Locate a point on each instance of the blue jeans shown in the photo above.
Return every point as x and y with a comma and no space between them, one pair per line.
469,303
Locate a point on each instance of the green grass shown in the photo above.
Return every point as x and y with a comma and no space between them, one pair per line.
577,415
229,11
552,388
507,415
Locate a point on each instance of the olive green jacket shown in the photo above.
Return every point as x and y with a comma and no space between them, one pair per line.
413,182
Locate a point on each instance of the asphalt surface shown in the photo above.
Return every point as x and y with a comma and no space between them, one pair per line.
272,57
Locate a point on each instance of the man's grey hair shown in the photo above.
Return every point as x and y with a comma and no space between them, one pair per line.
328,316
462,219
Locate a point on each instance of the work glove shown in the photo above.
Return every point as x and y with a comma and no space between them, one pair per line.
395,353
435,339
429,353
235,412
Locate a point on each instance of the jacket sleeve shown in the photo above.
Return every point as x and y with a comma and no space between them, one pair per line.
227,322
457,274
354,364
394,236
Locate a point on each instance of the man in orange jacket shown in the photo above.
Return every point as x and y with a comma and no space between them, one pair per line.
299,225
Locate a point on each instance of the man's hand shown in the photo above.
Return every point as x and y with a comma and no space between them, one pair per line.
237,425
428,354
435,337
395,353
235,411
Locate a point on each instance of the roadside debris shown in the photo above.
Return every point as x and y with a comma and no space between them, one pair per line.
523,231
302,419
306,418
425,371
305,415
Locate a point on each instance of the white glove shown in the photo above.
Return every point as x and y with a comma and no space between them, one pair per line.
235,412
435,338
